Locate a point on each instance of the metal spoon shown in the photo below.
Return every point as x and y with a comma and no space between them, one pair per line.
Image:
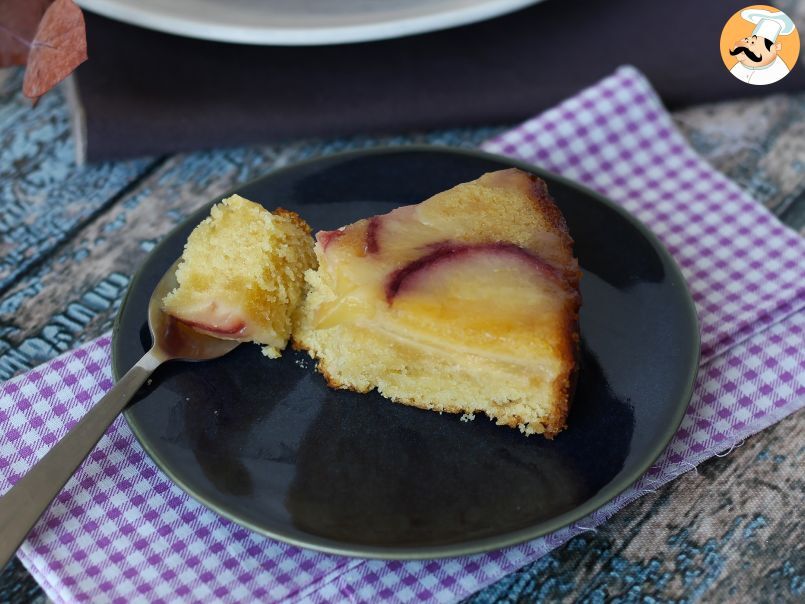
21,507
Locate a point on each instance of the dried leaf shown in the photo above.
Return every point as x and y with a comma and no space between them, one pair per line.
59,46
18,22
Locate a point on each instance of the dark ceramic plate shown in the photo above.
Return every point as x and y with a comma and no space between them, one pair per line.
268,445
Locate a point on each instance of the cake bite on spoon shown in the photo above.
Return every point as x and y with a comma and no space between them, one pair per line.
241,275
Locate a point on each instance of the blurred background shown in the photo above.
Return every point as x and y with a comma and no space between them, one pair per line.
174,75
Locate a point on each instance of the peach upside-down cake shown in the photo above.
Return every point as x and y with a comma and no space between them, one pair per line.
467,302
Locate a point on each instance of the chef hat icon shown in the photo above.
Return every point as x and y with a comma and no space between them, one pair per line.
769,25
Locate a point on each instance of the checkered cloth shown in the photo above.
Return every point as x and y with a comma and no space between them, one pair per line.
121,532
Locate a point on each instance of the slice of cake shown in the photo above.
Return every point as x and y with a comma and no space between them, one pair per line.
241,276
467,302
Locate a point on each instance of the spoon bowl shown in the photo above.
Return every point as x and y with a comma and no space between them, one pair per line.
173,339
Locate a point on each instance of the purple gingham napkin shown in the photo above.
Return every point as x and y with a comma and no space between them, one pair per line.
120,531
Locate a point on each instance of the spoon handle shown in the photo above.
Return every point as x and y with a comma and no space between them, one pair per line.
27,500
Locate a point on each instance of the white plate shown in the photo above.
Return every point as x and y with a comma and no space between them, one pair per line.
300,22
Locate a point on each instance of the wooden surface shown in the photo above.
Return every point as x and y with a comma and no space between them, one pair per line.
71,237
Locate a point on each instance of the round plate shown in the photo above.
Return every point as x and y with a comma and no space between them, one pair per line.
267,444
300,22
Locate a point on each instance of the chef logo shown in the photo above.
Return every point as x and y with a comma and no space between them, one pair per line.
760,45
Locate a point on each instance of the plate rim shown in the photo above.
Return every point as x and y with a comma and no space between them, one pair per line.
472,546
192,26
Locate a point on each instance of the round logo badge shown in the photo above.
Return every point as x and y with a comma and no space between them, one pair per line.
760,45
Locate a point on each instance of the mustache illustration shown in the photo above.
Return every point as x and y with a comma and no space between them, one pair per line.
743,49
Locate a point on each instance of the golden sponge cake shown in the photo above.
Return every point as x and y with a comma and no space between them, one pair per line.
467,302
241,275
